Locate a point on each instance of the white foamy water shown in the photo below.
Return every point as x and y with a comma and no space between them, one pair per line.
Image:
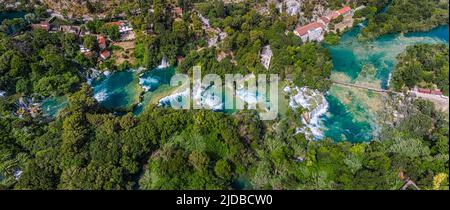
101,96
92,74
148,83
175,97
247,96
17,174
315,106
164,63
207,99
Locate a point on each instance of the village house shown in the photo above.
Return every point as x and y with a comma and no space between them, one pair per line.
315,31
70,29
311,32
88,54
101,40
41,25
125,30
105,54
429,91
124,27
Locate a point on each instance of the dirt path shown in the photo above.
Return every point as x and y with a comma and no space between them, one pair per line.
440,102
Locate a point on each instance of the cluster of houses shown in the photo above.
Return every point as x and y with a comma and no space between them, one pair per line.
315,31
62,28
125,30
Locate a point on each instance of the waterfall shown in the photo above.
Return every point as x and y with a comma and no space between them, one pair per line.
204,21
206,98
314,104
167,101
314,122
148,83
106,73
2,93
389,80
101,96
164,63
92,74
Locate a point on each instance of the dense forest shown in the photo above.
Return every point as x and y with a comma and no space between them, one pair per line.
176,149
87,147
406,16
422,65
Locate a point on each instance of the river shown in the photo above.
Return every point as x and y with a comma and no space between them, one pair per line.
352,113
11,15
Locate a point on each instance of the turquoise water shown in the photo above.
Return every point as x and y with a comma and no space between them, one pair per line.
121,91
11,15
242,183
154,81
51,106
117,91
352,121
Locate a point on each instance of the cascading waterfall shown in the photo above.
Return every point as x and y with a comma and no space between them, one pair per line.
176,97
314,104
148,83
92,74
164,63
205,97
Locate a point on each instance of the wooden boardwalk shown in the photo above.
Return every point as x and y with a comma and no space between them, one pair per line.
362,87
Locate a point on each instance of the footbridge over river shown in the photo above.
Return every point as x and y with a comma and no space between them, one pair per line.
440,101
379,90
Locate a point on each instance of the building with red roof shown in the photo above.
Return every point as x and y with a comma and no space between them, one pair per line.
101,42
325,20
41,25
310,32
105,54
436,92
180,59
423,90
315,31
344,10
